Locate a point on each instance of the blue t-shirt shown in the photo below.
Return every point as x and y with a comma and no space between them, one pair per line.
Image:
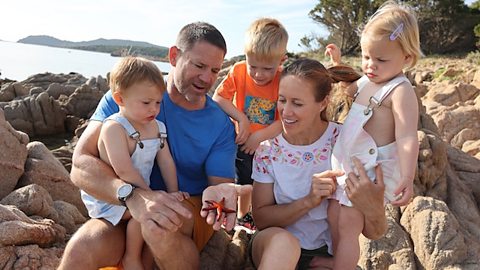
201,142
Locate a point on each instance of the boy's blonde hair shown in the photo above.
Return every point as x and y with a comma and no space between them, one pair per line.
131,70
398,23
266,39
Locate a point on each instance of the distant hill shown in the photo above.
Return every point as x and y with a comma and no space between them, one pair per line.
116,47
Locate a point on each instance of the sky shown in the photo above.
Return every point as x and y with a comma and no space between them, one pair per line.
153,21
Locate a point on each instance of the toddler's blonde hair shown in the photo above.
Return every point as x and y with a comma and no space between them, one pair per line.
266,39
398,23
131,70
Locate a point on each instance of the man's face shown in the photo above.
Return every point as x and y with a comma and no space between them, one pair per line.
196,70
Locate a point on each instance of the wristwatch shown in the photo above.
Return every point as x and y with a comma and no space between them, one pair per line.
124,192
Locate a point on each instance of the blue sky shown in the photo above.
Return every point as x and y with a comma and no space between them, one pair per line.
154,21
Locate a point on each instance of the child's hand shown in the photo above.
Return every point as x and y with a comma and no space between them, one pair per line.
180,195
335,54
405,189
251,145
243,130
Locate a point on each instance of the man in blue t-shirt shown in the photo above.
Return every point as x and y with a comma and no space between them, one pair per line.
201,140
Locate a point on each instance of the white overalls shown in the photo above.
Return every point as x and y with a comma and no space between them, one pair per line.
355,141
143,158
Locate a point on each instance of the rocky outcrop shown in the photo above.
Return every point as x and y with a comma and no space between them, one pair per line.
44,104
44,169
451,96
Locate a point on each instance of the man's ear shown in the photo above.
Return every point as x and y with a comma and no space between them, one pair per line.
173,53
117,97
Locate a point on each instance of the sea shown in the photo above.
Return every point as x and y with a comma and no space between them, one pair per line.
19,61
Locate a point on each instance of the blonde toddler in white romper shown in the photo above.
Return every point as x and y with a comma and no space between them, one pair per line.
381,127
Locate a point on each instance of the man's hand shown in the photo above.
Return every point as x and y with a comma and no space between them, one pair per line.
368,198
158,210
230,192
324,185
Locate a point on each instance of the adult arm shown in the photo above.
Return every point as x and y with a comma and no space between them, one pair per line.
268,213
368,198
405,114
220,169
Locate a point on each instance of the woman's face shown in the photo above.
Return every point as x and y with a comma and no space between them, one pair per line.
299,112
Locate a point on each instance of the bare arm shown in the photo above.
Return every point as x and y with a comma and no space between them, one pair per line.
259,136
167,167
268,213
405,113
243,124
113,146
367,197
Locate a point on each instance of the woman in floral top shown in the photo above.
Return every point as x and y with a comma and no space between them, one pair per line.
292,173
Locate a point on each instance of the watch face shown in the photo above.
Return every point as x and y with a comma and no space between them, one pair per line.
124,190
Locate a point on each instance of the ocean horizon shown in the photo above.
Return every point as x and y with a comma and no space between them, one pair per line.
18,61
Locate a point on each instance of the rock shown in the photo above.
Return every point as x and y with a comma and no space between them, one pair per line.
18,229
435,235
395,250
12,156
29,257
213,254
83,101
476,79
44,169
32,200
68,216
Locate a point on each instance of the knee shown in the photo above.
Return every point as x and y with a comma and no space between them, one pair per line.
282,238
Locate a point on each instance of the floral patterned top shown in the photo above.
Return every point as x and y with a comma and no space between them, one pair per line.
290,168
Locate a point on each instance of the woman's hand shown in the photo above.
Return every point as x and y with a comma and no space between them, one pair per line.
324,185
368,198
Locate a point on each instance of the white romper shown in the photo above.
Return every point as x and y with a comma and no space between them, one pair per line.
142,159
355,141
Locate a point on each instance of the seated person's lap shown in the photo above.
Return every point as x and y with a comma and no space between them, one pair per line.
202,232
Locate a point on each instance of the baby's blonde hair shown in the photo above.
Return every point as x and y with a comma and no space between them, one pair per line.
398,23
266,39
131,70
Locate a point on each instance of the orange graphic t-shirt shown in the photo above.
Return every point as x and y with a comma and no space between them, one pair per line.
258,103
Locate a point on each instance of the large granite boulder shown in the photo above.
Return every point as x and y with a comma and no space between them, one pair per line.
44,169
12,156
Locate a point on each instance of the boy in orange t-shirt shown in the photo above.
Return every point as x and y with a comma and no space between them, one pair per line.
249,96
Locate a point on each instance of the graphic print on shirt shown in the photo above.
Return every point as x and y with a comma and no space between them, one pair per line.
260,110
